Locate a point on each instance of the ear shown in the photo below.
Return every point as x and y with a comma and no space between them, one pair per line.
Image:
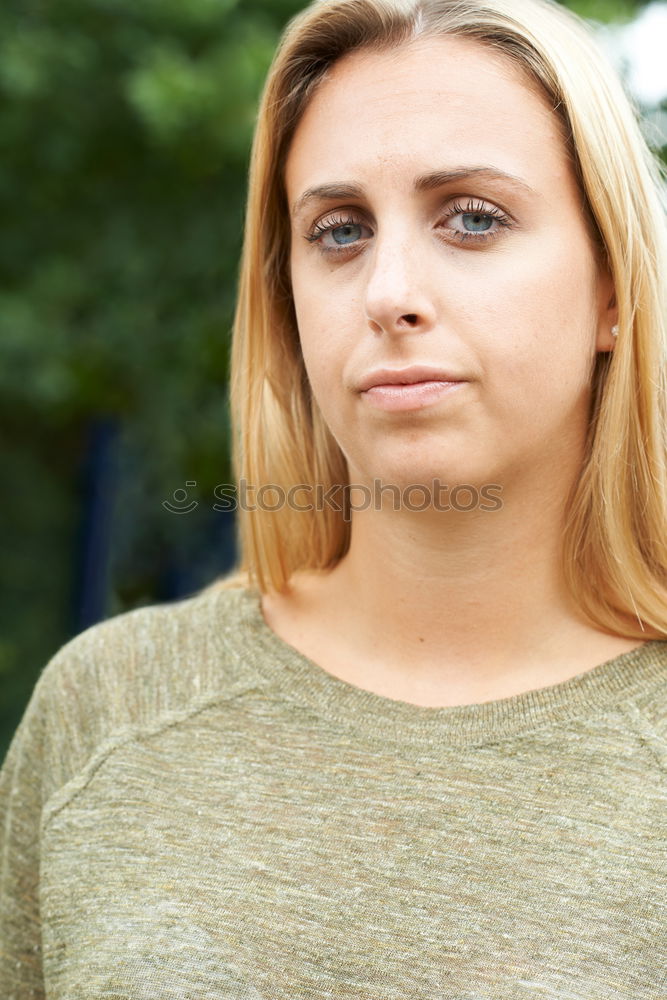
607,311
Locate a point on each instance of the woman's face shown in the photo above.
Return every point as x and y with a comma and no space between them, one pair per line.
436,222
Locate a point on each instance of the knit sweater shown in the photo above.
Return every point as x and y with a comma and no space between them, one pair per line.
193,810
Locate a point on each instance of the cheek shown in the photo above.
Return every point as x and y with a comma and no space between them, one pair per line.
320,345
326,325
541,311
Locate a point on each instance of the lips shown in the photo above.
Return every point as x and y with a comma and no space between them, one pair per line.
407,376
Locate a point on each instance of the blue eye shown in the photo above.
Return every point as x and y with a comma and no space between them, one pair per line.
481,222
348,233
345,232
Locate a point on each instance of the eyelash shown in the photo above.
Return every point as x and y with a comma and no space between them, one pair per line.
320,229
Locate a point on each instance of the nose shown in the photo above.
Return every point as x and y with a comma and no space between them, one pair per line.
397,295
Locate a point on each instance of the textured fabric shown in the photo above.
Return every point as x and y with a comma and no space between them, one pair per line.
190,808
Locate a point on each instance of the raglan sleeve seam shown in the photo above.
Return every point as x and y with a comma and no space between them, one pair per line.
649,734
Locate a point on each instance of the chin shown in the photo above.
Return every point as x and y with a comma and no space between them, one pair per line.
410,471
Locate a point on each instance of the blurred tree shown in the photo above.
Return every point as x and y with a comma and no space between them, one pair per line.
125,127
607,10
124,134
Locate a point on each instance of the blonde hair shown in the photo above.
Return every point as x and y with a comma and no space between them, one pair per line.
615,541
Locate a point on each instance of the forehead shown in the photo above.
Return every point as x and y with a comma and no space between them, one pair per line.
430,104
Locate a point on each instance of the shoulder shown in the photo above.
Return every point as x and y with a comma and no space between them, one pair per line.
134,673
646,704
142,647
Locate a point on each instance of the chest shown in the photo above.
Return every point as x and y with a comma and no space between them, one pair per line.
273,868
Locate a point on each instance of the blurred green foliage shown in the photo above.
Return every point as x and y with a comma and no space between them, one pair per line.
618,11
125,128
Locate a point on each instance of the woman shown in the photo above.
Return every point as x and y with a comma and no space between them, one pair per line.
416,747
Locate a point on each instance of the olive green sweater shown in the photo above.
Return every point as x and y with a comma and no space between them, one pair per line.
190,808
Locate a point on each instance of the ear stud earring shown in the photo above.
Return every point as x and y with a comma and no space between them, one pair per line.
614,331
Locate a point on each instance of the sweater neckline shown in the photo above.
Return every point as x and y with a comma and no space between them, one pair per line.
598,690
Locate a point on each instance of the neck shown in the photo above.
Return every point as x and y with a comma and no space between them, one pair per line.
484,581
467,606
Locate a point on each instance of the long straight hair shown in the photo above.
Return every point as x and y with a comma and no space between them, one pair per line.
614,546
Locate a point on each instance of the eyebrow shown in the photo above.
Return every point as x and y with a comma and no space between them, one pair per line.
427,182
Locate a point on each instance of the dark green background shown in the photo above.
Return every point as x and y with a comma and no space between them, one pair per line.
125,128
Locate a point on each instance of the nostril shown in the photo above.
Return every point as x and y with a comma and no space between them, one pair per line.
410,317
